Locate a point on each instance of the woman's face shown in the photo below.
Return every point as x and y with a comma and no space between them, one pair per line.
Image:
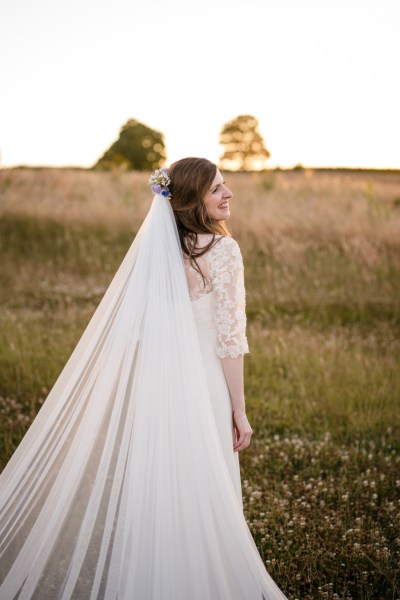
217,199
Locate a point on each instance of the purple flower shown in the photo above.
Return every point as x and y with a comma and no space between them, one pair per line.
159,181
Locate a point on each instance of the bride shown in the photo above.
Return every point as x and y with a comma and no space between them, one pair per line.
127,484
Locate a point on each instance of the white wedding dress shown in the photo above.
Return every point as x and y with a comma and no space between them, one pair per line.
126,486
218,304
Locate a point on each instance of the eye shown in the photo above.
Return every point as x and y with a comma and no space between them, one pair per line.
217,187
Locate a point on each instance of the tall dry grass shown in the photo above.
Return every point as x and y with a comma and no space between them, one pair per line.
75,196
329,205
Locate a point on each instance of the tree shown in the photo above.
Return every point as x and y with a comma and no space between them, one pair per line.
244,147
137,148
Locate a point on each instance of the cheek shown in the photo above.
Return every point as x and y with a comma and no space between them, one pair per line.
214,206
210,205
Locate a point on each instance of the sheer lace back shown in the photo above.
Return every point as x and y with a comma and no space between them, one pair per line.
222,267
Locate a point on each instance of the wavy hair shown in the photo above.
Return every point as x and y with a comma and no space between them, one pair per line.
191,178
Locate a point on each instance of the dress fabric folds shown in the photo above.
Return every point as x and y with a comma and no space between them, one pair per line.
126,485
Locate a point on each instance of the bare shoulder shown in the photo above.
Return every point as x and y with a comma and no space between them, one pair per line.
203,239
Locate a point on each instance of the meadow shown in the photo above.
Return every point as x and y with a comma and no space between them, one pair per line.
321,249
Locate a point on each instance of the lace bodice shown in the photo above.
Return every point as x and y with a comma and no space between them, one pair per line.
222,267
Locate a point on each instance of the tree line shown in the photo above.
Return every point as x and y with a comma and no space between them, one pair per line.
142,148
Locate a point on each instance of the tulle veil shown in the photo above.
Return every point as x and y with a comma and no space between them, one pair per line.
119,489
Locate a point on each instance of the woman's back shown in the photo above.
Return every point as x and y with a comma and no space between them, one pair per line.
221,273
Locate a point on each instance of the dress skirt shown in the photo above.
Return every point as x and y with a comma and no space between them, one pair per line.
204,313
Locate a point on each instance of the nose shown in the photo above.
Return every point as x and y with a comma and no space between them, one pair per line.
227,192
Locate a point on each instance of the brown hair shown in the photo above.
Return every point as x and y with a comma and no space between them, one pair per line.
191,178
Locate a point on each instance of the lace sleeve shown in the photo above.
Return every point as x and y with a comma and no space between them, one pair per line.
226,271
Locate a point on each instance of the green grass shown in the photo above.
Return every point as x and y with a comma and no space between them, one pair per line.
45,243
321,478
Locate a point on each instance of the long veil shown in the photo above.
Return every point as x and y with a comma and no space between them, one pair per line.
119,489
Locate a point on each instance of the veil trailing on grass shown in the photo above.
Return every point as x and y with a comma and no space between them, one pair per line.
120,489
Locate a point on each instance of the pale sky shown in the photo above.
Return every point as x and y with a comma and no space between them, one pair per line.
322,77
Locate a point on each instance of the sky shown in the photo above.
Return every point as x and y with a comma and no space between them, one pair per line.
321,77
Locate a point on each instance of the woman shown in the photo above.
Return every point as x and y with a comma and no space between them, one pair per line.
127,483
214,271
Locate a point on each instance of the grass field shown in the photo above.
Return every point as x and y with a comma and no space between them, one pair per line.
321,479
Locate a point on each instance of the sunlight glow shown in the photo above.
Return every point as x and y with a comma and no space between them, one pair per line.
320,77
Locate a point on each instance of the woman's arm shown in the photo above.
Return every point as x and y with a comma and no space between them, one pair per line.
226,269
233,371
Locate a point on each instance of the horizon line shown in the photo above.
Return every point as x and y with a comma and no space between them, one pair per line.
296,167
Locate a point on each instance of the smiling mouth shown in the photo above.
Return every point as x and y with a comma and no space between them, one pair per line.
224,205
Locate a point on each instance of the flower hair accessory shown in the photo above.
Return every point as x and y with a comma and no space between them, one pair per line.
159,182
